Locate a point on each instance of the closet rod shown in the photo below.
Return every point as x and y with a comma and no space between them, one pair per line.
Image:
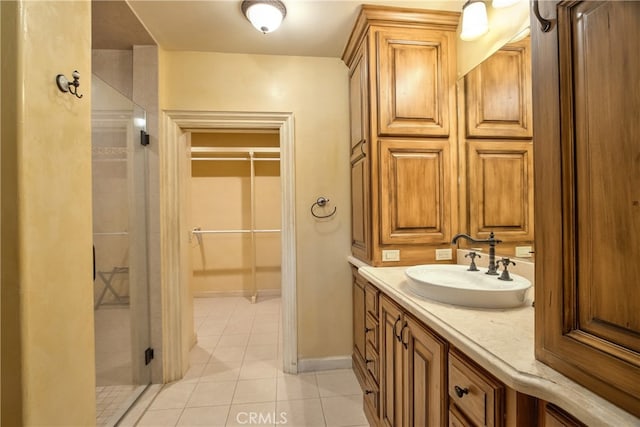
235,149
273,159
234,231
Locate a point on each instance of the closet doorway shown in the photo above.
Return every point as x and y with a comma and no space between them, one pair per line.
178,127
235,214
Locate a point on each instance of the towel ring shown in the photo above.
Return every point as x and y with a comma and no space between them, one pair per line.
322,202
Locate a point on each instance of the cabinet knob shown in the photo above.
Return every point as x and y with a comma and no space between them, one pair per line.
367,361
368,392
461,391
367,330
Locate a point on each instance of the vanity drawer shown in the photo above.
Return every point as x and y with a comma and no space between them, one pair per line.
371,332
371,300
475,393
372,363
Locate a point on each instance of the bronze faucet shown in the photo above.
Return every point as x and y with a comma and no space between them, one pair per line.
492,241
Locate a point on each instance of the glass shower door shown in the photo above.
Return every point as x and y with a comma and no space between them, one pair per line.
121,300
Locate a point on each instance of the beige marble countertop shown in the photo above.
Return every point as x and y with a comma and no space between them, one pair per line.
502,342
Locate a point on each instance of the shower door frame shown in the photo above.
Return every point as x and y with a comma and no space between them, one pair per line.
136,159
174,125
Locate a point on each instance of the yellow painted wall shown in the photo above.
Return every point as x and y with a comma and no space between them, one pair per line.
221,200
47,314
315,90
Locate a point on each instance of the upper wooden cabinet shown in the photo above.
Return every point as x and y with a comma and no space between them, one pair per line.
413,75
586,95
498,94
403,134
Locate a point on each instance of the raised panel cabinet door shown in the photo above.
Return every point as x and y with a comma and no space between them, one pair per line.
425,376
360,207
415,192
500,189
498,94
551,416
413,78
391,358
359,97
586,103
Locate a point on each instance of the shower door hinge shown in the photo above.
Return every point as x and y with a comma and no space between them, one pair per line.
144,138
148,356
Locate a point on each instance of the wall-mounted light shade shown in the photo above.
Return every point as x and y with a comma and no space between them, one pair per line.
497,4
474,20
265,15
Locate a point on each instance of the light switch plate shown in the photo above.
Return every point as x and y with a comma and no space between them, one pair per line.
391,255
523,251
444,254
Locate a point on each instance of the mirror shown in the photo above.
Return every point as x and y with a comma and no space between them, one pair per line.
504,25
496,149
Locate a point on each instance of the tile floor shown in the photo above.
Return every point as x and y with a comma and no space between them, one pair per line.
236,378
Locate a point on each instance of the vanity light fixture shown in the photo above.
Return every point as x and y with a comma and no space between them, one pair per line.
474,20
265,15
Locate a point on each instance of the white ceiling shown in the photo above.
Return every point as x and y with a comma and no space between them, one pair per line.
311,27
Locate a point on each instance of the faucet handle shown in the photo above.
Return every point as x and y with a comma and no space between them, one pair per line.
505,273
473,256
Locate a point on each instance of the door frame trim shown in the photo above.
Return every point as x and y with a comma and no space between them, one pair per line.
174,293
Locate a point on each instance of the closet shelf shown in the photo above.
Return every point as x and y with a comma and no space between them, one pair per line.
199,231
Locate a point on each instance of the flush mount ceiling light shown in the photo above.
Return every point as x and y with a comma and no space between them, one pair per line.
474,20
265,15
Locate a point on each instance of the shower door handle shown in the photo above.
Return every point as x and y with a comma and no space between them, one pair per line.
94,263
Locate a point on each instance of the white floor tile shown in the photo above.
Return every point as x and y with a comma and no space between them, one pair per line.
261,352
255,369
253,414
210,416
160,417
343,410
233,340
301,413
292,387
212,394
253,391
227,354
221,371
337,383
173,396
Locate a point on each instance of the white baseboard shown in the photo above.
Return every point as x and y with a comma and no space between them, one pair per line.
324,364
240,293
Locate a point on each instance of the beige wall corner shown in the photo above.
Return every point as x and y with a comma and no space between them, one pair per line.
47,294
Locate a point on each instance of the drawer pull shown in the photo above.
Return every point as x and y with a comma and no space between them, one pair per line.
368,392
367,330
461,391
395,324
367,361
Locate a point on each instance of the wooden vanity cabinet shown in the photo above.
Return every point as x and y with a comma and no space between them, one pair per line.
403,134
365,343
496,153
411,376
586,102
476,398
551,416
412,370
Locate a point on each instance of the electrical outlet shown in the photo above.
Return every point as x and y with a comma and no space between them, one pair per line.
523,251
444,254
391,255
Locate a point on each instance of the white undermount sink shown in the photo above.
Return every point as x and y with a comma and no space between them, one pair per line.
453,284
